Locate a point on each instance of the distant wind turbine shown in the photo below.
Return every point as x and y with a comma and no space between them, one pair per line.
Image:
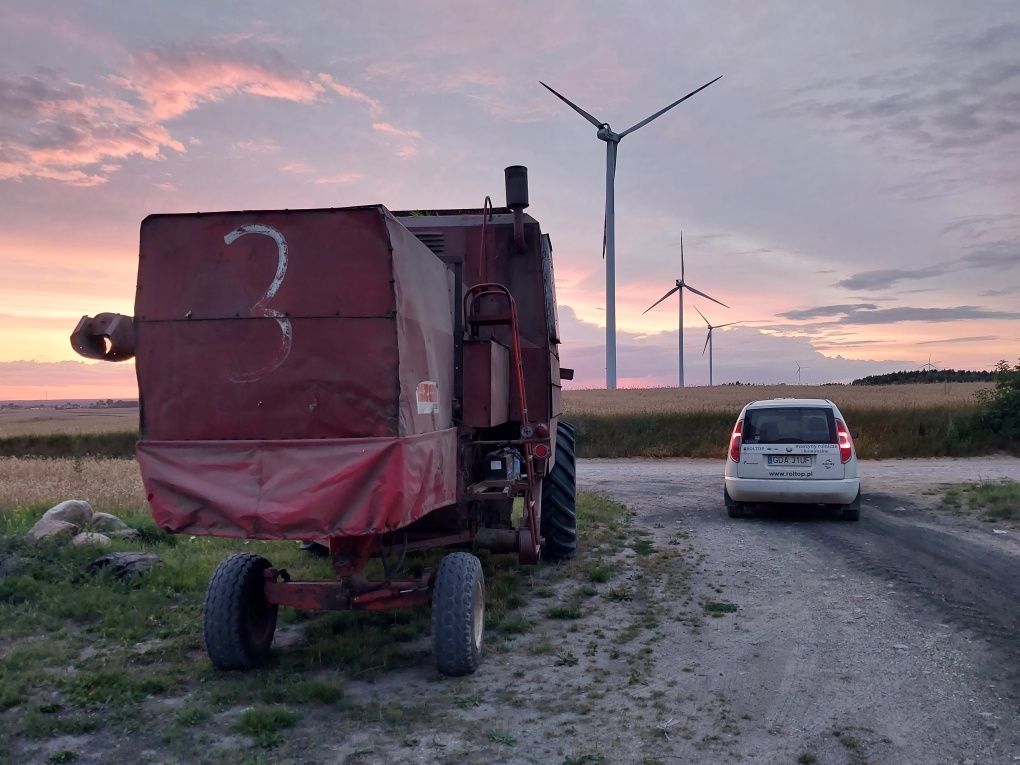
612,140
681,285
930,366
799,368
708,341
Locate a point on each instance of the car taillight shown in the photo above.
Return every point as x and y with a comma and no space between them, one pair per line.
735,441
846,443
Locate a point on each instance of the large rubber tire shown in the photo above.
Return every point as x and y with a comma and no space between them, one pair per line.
852,512
458,614
238,622
559,500
733,509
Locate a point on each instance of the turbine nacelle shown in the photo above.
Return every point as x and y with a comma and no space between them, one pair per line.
606,134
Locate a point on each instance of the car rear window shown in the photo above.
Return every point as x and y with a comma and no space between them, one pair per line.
789,425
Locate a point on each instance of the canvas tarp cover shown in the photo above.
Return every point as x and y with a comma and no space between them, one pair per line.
304,489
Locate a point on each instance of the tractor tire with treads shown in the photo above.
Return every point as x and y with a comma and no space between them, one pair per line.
458,614
559,500
237,621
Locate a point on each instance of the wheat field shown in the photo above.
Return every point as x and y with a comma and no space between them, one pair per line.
733,397
107,484
46,422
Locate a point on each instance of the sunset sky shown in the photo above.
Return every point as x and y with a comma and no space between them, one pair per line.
850,187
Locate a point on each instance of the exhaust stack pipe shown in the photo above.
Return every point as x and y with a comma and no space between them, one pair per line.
517,199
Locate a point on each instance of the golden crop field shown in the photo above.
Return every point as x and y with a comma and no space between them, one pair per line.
108,484
45,422
732,397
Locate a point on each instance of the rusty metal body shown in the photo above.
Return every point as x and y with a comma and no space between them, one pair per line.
345,375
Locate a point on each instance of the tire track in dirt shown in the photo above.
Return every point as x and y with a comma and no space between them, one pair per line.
971,586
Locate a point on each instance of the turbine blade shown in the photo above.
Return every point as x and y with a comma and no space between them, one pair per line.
727,324
699,292
659,113
649,308
707,338
605,231
681,256
703,317
572,105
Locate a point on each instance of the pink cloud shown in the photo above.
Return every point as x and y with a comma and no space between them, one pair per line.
386,127
65,133
353,93
174,81
74,134
342,178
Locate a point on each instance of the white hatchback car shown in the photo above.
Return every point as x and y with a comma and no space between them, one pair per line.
792,451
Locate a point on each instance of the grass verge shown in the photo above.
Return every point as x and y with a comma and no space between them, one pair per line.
882,433
993,501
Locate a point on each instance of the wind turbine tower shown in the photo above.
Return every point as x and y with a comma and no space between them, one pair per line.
612,140
682,285
799,368
708,341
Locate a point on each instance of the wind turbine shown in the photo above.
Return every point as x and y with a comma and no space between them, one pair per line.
930,366
681,285
799,368
708,341
605,133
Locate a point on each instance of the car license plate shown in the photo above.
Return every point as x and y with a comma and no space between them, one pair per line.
791,459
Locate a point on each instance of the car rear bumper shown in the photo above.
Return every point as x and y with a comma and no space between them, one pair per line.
836,492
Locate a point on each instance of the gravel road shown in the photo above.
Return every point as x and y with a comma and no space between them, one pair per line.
891,640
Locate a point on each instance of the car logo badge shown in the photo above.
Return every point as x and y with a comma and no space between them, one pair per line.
828,464
789,448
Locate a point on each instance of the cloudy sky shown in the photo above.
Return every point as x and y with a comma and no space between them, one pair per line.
850,187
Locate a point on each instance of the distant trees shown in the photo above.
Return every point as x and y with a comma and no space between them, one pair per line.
926,376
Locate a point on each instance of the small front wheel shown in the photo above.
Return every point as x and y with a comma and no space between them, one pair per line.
458,614
238,621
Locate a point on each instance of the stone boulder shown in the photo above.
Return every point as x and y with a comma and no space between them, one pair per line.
76,511
125,534
106,523
91,538
124,565
52,528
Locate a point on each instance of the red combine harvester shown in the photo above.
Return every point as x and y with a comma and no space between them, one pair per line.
381,382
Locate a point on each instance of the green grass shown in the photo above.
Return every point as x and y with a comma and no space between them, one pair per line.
930,432
90,655
264,724
717,608
995,501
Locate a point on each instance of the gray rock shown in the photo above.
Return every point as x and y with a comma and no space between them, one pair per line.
124,565
51,528
104,522
91,538
76,511
9,565
125,534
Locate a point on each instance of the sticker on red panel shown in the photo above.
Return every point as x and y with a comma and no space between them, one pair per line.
427,394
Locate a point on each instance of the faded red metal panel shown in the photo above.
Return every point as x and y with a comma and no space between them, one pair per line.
263,339
486,383
306,489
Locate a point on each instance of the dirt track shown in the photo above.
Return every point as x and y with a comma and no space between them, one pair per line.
893,640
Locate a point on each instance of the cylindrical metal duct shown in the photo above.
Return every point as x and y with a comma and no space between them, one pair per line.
516,187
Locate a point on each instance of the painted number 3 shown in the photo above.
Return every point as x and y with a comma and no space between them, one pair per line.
261,309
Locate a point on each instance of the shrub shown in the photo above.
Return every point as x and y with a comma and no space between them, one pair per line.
1001,404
